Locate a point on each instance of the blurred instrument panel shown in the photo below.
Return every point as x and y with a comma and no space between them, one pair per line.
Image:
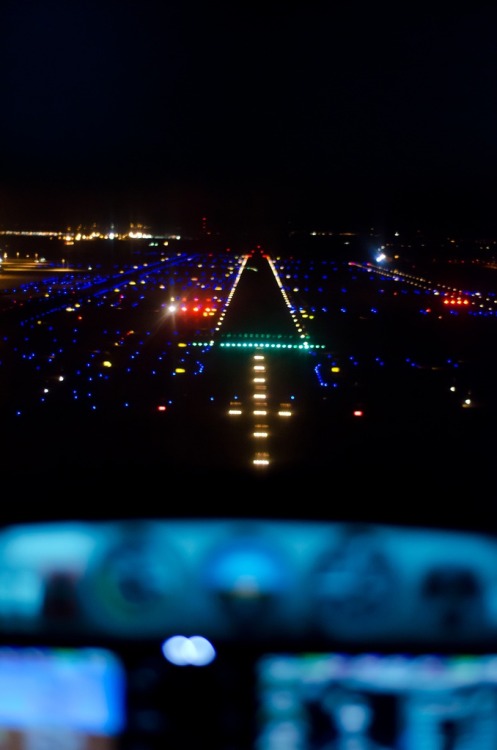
250,580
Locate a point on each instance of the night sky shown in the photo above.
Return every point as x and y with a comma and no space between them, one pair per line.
256,115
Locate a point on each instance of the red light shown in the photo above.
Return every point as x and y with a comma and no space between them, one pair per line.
358,413
161,407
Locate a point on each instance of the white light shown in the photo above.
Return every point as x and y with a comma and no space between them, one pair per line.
182,651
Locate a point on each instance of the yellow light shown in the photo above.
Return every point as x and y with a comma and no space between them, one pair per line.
261,459
335,369
106,363
180,370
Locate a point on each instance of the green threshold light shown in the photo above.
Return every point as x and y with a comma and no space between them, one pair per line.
258,341
269,345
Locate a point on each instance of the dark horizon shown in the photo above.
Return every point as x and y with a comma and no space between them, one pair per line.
318,117
269,220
